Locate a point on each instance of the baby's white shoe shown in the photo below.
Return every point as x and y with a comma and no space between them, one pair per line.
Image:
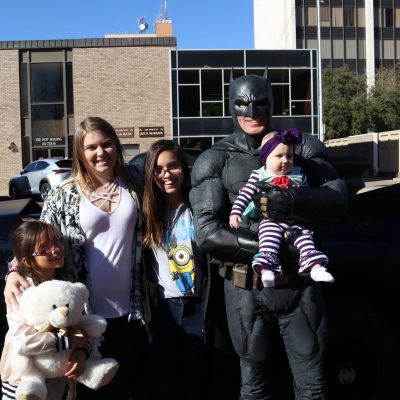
268,278
320,274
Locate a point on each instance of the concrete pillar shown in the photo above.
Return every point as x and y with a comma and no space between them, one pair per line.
370,43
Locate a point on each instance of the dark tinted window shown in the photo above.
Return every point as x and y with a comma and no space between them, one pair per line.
64,163
41,165
30,168
46,82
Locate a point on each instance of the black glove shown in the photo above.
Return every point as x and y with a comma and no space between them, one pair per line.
274,202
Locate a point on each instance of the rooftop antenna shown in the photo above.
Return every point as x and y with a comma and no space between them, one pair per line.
142,25
163,12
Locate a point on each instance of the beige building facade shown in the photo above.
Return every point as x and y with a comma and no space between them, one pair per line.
10,121
124,80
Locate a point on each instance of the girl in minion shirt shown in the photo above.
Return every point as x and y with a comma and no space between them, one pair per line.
173,278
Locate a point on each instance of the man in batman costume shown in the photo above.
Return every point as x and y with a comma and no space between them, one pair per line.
295,305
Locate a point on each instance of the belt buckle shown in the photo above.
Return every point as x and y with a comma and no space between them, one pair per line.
239,275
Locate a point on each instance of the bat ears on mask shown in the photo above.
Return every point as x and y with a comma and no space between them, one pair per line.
265,75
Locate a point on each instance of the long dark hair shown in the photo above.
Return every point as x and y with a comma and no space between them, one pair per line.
154,210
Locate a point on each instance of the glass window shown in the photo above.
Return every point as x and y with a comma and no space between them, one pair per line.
255,71
337,49
29,168
188,76
388,18
48,125
70,90
311,16
337,17
226,101
211,109
325,18
300,84
196,143
397,50
351,49
279,75
361,17
361,48
189,101
377,49
211,85
64,163
301,107
397,17
348,16
41,165
46,83
388,49
24,91
57,152
312,44
235,72
40,153
281,99
325,48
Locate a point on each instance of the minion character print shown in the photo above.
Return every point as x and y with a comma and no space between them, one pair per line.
180,260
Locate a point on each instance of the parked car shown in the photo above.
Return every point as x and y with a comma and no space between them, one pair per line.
364,256
37,178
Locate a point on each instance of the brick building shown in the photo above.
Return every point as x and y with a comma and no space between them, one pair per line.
143,85
47,87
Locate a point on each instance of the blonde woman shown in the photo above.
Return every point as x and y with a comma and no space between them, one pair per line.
98,211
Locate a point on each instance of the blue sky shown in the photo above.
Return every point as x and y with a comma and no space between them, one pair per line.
201,24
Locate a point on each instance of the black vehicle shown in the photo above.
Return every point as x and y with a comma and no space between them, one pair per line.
364,253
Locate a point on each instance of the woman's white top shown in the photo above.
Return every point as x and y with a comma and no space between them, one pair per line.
108,246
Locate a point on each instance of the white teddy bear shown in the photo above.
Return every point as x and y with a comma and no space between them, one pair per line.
58,305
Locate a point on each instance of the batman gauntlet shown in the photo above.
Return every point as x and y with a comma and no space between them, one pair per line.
273,202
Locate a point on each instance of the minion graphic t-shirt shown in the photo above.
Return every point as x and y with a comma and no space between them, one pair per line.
174,259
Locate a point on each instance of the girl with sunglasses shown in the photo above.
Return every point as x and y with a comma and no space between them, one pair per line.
39,251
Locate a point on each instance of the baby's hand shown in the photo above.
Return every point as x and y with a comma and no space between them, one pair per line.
234,221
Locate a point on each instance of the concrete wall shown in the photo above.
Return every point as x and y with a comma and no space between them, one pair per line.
10,125
380,149
274,24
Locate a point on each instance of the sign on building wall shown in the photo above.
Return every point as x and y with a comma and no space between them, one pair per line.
48,141
154,131
125,132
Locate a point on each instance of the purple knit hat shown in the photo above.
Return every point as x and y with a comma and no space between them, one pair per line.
288,136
